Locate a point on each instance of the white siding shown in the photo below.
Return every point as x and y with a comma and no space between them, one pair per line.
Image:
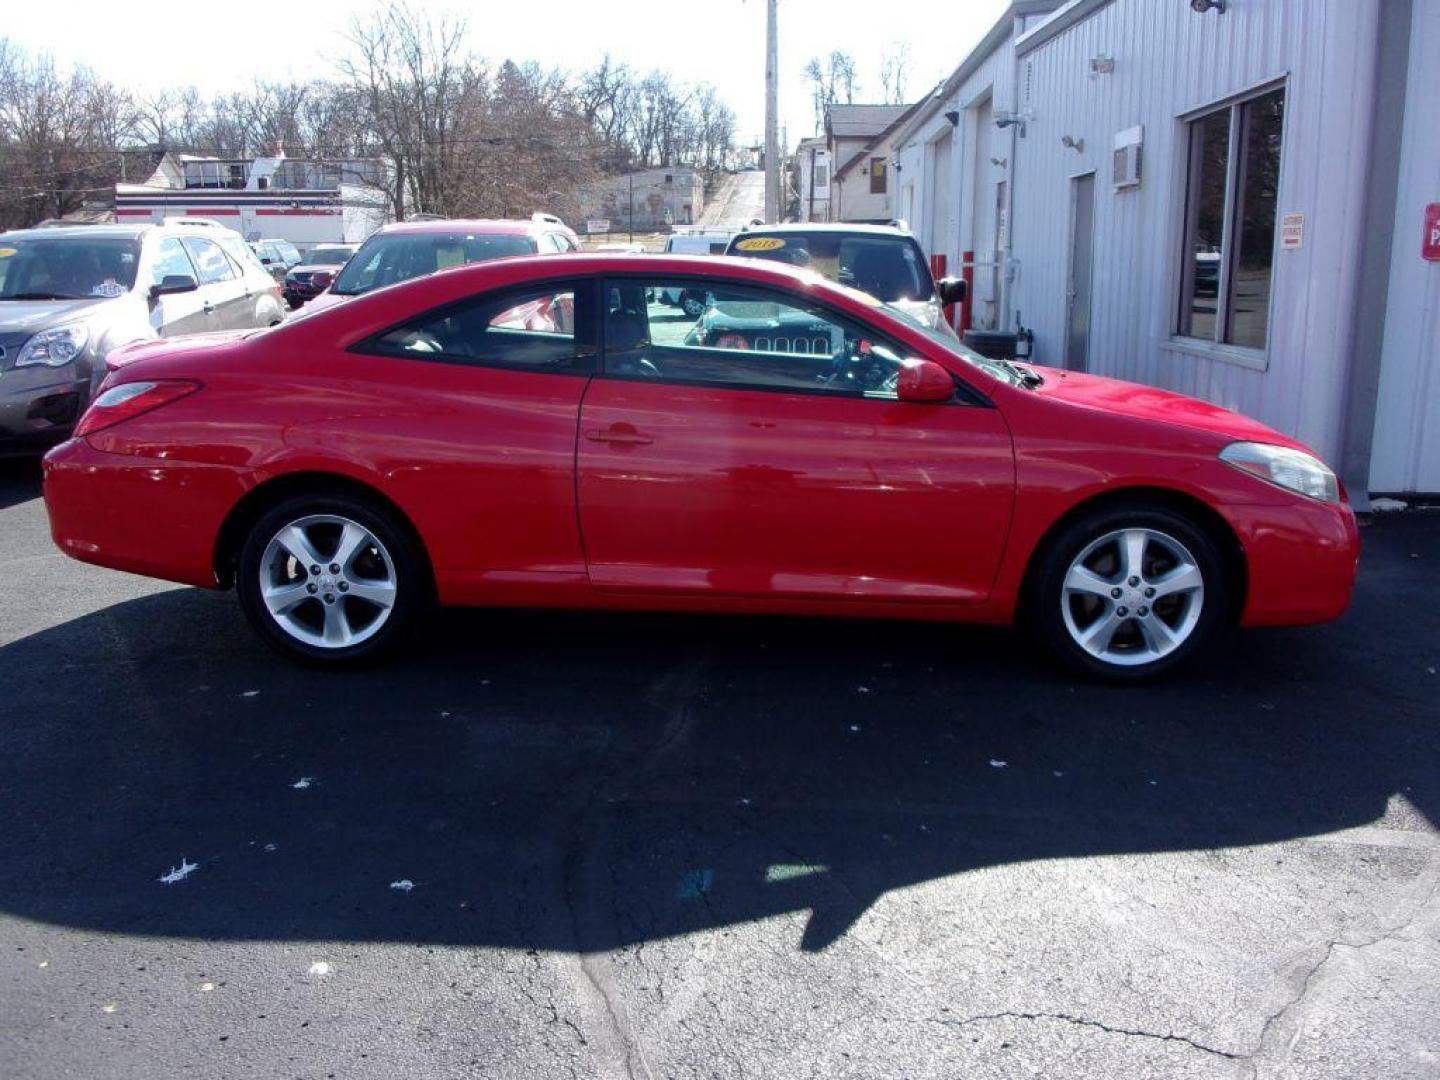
1170,61
1406,452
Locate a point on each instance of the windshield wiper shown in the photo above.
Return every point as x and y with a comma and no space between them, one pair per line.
41,296
1028,376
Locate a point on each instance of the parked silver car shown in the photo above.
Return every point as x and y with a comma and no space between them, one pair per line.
70,295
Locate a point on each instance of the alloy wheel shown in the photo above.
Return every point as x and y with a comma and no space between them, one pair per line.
328,581
1132,596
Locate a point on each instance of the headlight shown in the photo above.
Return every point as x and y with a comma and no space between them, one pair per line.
1292,469
54,348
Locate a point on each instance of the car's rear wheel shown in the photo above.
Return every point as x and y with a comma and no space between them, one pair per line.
1128,593
330,579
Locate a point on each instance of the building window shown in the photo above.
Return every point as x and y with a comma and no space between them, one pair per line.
1230,209
822,176
877,176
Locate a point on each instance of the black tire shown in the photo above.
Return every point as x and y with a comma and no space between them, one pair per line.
1046,602
412,588
692,303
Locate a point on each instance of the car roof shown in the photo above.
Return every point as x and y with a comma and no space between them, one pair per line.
823,227
70,232
494,226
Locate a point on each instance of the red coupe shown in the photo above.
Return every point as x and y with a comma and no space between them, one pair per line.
796,448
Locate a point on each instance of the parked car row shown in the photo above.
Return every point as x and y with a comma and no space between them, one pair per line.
71,296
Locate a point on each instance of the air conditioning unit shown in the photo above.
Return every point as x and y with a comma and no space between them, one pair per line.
1127,157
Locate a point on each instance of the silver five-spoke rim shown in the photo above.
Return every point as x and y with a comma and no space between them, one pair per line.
1132,596
327,581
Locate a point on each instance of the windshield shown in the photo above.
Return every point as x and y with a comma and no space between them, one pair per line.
66,268
994,368
889,268
384,260
329,256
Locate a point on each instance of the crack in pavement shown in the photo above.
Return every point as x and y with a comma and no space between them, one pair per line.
1080,1021
1428,885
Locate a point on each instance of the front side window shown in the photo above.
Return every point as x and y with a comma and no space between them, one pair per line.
877,176
171,261
209,260
1230,210
543,328
744,337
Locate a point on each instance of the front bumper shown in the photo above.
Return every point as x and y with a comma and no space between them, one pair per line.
38,407
1301,561
150,516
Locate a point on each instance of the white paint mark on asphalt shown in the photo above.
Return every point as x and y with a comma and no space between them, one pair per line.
319,967
862,689
110,1008
44,963
996,763
854,727
270,847
303,783
205,988
251,693
403,885
179,873
1057,774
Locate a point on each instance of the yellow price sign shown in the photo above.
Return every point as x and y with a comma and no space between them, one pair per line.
760,243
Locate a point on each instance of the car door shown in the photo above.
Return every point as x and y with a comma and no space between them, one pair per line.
173,314
473,424
760,451
221,287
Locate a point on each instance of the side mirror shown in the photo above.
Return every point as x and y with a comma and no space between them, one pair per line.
173,283
924,382
953,290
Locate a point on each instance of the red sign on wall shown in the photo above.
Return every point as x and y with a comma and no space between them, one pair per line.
1430,249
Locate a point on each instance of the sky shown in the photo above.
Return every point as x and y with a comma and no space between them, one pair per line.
218,47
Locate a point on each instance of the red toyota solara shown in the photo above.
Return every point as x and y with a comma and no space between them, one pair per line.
544,432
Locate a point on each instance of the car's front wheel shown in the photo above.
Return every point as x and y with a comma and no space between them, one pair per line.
330,579
1128,593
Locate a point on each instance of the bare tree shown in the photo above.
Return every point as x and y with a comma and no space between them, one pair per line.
832,80
895,72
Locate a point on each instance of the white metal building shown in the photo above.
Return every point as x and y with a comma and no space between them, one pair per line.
1229,202
305,202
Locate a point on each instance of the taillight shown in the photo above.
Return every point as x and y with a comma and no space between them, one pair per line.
129,400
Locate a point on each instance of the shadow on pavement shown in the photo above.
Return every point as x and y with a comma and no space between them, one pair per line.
19,480
561,781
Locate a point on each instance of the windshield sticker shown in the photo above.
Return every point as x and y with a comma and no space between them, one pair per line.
760,243
5,253
108,288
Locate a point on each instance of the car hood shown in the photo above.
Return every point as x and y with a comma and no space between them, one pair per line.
1142,402
28,316
326,299
189,344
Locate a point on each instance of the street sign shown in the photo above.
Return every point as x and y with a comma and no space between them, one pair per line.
599,225
1430,249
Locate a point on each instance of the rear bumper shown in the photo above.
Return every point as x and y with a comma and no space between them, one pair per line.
144,515
1301,559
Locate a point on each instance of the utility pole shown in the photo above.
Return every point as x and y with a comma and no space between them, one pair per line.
772,109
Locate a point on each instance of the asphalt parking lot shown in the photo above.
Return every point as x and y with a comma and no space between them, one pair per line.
554,845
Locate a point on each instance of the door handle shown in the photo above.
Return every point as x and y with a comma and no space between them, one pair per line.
620,435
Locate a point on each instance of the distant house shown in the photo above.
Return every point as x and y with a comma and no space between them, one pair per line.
811,168
652,200
305,202
860,141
